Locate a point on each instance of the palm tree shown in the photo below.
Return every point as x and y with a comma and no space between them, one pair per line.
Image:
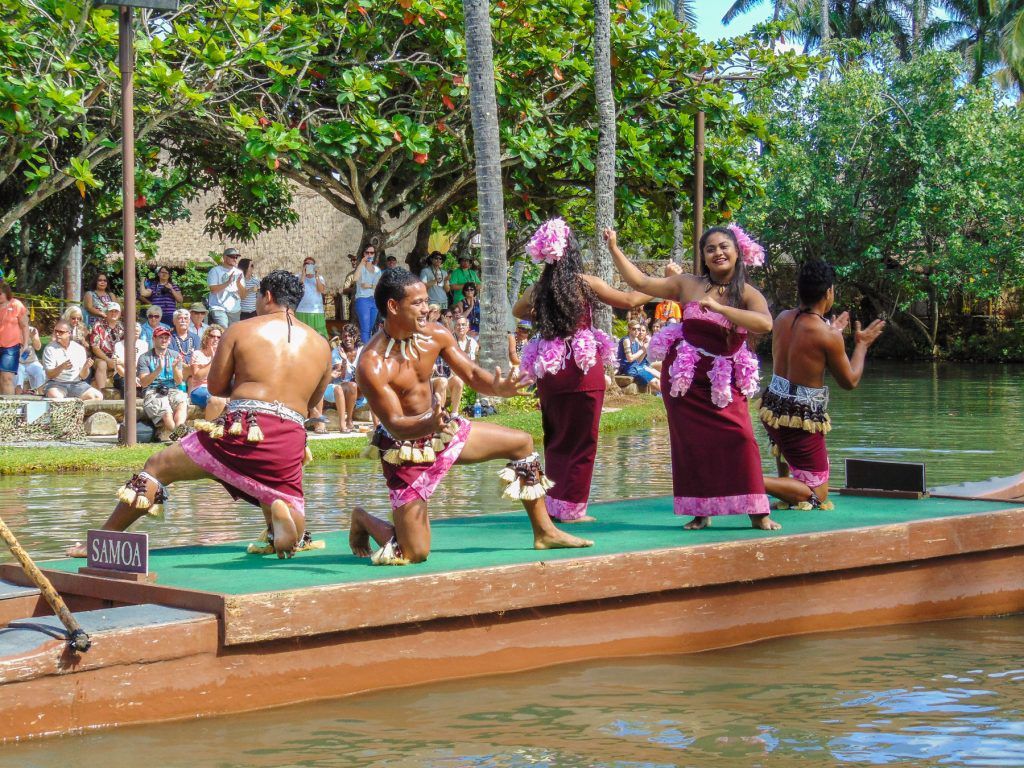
970,28
604,182
494,317
740,7
1010,19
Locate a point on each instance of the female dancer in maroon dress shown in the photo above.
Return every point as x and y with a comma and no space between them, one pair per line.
567,359
707,375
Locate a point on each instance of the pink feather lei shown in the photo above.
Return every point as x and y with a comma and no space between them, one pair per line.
548,242
588,347
750,250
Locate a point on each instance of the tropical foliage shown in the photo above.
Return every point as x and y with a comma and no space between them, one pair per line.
904,177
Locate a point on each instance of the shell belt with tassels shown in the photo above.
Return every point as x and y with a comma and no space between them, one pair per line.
240,416
785,404
422,450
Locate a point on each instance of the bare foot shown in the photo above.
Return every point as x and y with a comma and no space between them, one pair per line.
697,524
584,519
556,539
358,536
285,535
764,522
76,550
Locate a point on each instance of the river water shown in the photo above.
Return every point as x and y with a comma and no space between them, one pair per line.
939,694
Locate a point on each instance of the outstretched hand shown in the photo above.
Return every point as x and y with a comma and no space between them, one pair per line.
841,322
868,336
508,386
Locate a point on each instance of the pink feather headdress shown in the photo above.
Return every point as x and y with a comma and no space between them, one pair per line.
750,250
548,242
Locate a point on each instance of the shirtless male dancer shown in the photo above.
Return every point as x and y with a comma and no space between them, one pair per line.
274,369
418,441
793,407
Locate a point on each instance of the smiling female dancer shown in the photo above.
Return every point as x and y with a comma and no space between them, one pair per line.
567,358
707,375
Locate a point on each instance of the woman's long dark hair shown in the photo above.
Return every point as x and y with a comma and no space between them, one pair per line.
734,293
562,299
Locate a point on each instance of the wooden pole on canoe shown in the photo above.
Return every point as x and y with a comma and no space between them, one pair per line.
77,638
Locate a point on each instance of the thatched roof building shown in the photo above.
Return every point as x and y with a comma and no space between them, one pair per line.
322,231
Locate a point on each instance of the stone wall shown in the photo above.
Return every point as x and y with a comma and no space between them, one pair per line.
322,232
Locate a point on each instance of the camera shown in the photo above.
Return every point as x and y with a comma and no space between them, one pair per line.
162,390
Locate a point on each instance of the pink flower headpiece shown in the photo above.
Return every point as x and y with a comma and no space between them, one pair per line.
750,250
548,242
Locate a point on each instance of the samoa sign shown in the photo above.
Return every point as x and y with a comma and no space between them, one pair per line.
118,551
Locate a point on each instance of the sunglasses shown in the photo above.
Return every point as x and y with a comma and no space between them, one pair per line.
214,335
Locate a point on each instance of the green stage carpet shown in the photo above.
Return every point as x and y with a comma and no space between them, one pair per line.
504,539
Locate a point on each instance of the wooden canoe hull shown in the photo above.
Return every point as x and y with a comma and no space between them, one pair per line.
244,652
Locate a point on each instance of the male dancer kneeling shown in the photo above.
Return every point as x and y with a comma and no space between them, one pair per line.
418,442
274,369
794,406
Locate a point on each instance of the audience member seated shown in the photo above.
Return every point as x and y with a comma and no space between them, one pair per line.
471,307
183,340
76,323
104,335
161,371
197,315
31,374
154,320
67,367
97,299
141,348
444,383
198,392
342,390
633,357
516,342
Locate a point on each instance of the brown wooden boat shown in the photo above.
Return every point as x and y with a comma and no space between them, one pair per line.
222,632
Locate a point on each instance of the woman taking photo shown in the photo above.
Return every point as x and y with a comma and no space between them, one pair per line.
162,292
367,275
707,375
567,358
311,308
14,338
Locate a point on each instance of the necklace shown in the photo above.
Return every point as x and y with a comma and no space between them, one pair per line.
412,345
722,287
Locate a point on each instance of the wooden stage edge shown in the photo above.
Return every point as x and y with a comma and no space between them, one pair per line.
288,647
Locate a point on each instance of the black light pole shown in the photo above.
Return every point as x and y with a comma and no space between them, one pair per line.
126,63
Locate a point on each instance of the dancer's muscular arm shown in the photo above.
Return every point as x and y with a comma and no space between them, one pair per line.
476,377
672,287
848,371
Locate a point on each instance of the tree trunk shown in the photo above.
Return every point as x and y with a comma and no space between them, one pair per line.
604,183
418,258
494,316
826,31
516,281
677,235
920,18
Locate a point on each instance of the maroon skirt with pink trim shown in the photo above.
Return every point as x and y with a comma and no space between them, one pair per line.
259,472
716,464
409,481
805,452
570,403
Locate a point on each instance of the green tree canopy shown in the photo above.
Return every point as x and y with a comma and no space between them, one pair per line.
905,178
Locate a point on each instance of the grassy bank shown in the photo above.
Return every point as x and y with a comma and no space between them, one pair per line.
631,413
